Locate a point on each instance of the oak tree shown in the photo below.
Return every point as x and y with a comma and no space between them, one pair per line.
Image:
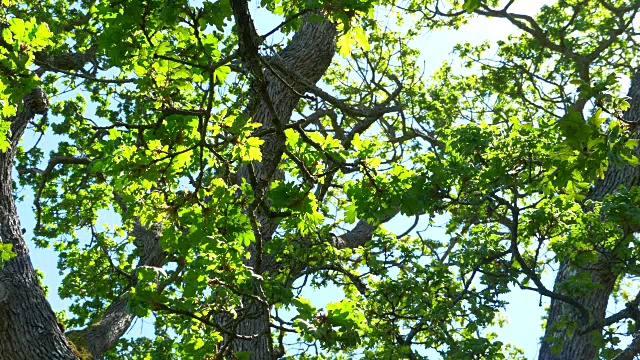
246,167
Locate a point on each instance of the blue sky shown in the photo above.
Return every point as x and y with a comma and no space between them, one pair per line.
523,312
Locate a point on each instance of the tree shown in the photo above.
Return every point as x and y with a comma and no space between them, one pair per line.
243,171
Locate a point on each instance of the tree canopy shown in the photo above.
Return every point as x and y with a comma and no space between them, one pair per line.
247,167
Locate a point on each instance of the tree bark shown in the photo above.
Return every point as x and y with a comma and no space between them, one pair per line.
28,326
582,346
308,54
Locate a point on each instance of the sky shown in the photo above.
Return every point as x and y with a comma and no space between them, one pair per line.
523,312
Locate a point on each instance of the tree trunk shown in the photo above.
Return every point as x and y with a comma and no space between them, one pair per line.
28,326
595,301
583,346
309,54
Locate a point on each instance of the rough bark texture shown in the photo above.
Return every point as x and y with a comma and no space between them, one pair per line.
579,346
582,346
28,326
309,54
102,335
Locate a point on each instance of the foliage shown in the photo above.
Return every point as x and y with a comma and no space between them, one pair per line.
163,128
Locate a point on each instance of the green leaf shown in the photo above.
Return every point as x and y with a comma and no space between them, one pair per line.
41,37
114,134
344,44
574,129
351,213
18,28
471,5
360,38
5,135
305,309
596,119
250,151
631,143
7,36
243,355
221,74
6,253
163,48
199,344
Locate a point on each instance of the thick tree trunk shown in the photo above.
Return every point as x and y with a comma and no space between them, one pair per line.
578,346
28,327
582,346
309,54
255,325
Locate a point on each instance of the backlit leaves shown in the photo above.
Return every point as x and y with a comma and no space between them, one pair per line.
162,130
